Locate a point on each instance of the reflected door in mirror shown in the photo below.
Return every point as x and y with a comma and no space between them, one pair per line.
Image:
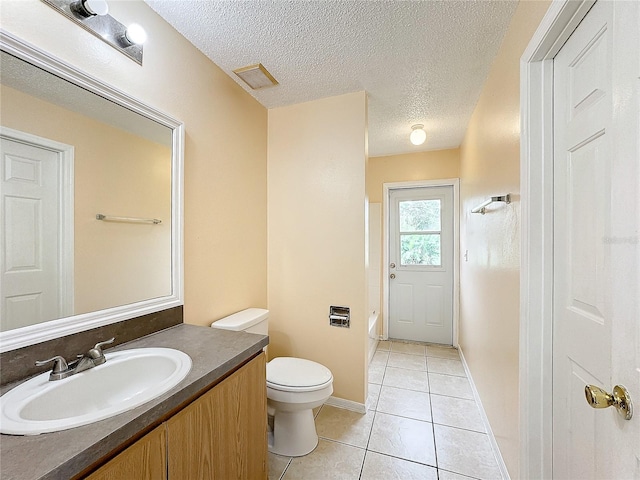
31,246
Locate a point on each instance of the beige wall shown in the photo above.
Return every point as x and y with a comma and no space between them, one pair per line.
316,178
225,145
490,278
408,167
115,173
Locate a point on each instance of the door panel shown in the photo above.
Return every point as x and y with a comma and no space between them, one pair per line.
421,270
595,209
30,249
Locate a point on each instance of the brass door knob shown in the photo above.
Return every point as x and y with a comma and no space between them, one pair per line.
392,276
599,398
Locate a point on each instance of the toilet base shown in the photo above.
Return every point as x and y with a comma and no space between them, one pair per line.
294,433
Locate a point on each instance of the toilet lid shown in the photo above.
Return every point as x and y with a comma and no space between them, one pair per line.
297,372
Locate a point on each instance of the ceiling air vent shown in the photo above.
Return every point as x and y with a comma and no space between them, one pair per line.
256,76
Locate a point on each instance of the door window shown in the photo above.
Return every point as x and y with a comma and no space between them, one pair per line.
420,231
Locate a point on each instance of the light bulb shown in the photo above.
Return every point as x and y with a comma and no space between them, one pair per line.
135,34
96,7
418,135
89,8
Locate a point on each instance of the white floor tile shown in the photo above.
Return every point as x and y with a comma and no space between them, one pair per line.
456,412
450,385
405,403
329,460
373,396
380,358
403,438
466,452
376,374
407,361
344,426
277,465
409,379
445,366
442,352
409,348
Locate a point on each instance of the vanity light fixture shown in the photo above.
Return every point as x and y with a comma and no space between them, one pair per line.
93,16
418,135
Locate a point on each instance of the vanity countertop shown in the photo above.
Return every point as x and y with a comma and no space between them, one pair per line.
67,453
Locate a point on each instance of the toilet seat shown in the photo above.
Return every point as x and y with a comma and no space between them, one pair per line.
290,374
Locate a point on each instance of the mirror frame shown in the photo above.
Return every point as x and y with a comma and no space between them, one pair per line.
24,336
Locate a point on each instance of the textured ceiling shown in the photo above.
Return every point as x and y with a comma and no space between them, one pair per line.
419,61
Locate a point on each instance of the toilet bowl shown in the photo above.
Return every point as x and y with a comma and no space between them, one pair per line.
295,386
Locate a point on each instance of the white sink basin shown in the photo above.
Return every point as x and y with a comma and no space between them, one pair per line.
128,379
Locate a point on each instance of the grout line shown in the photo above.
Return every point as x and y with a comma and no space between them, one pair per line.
286,468
452,396
458,428
404,459
457,473
449,375
433,428
408,418
339,442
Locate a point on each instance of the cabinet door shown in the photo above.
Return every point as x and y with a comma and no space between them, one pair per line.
144,460
223,434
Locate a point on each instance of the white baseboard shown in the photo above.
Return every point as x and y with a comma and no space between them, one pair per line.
346,404
485,420
372,351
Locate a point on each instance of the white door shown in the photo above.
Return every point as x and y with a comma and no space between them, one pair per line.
421,264
596,336
30,242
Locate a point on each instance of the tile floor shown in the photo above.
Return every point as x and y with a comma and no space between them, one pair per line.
421,423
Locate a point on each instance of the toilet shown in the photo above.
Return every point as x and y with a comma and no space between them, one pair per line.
295,387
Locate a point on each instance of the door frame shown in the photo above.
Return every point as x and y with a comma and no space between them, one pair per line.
536,273
66,257
386,190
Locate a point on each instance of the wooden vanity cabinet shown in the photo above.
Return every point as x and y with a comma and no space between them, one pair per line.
223,434
144,460
220,435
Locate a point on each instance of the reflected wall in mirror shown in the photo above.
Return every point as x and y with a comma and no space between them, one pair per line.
72,148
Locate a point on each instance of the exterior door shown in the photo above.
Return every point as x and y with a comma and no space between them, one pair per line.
421,264
596,249
30,195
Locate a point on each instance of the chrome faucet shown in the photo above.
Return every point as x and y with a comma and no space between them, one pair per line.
62,369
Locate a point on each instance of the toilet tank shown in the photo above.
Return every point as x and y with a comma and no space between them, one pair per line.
251,320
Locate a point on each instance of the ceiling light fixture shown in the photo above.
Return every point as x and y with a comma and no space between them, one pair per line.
256,76
418,135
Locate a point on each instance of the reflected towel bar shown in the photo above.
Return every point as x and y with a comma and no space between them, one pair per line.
500,198
111,218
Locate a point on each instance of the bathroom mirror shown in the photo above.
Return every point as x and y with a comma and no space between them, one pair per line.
91,196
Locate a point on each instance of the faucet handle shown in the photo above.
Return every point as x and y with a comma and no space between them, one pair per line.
99,345
96,352
60,367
